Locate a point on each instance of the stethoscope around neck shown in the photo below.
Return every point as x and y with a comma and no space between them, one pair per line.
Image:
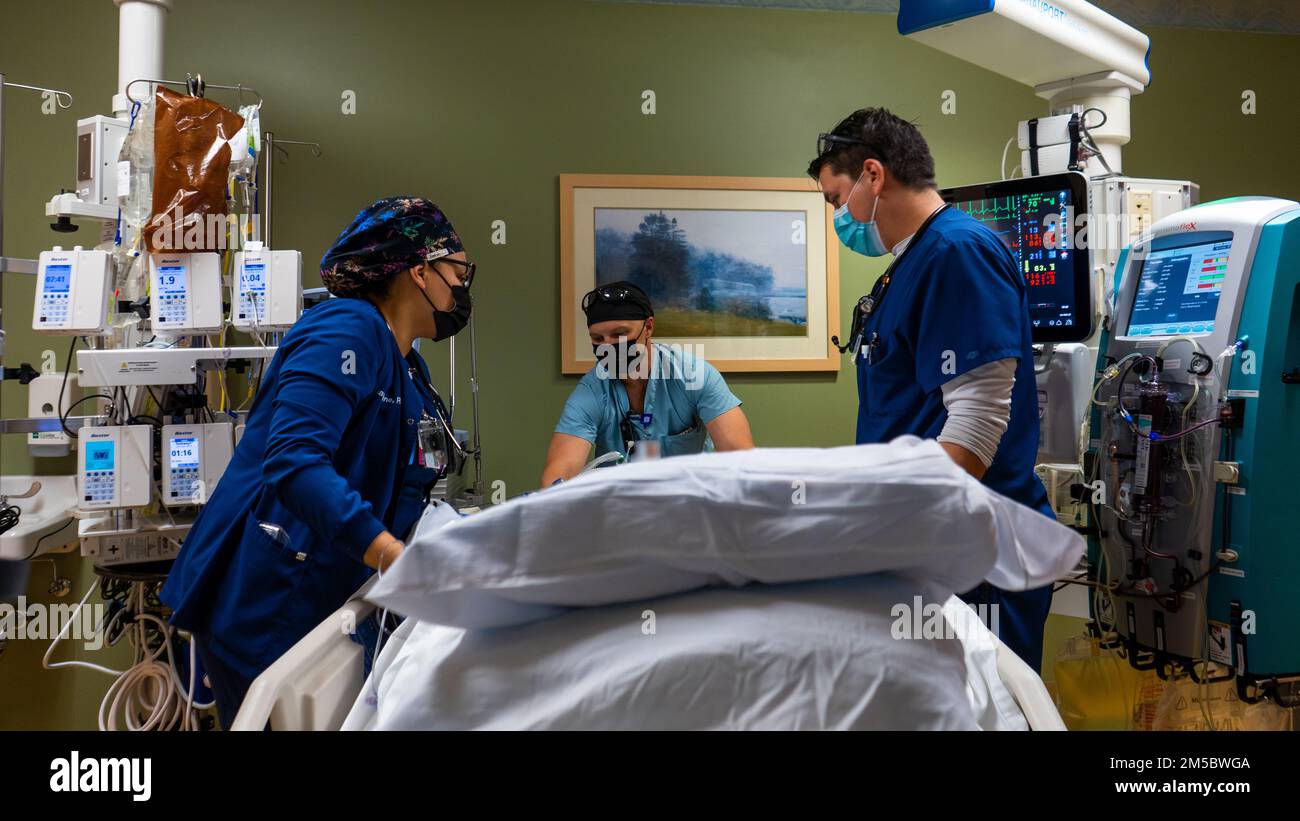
868,304
440,450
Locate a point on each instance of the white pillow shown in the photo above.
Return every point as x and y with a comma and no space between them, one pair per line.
767,515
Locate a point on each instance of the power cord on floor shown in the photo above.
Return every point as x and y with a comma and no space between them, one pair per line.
150,694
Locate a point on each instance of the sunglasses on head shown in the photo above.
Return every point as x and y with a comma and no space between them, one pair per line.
620,294
826,143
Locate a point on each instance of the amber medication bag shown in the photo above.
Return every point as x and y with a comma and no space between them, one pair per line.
191,163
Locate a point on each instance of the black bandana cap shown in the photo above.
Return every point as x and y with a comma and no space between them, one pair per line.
617,300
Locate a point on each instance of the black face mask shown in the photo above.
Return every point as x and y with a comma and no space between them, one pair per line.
625,359
449,323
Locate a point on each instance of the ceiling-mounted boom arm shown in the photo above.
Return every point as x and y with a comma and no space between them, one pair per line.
1072,53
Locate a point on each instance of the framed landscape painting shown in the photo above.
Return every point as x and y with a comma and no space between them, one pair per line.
742,271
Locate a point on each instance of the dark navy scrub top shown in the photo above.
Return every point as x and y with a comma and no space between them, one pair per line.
956,301
323,467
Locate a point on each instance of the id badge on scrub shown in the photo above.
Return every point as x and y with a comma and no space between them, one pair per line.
432,444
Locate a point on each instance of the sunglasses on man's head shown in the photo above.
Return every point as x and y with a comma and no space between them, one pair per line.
612,295
826,143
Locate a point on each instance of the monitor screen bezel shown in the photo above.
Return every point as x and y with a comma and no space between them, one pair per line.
1077,185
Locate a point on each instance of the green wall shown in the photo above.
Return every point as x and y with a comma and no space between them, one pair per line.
481,105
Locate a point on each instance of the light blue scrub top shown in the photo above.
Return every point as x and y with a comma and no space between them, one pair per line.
685,394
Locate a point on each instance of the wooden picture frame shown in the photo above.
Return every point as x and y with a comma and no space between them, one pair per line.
717,242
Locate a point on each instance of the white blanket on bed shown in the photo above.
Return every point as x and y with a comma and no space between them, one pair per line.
772,516
815,655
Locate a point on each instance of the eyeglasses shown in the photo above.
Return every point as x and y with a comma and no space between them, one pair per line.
826,143
620,294
631,439
467,276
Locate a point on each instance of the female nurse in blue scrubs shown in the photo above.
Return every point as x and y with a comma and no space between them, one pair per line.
326,481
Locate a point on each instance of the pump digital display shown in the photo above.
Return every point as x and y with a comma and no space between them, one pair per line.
184,452
171,280
58,279
253,278
99,455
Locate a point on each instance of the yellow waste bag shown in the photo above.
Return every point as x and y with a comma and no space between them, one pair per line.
1096,689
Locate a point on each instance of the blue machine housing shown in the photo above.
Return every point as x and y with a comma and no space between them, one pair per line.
1260,526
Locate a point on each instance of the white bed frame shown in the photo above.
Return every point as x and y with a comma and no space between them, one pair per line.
314,685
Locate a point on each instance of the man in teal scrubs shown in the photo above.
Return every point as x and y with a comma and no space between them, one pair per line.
642,398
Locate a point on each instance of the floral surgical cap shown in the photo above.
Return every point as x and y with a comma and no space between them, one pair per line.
386,238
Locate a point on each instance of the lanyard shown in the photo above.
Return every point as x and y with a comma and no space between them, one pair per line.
868,304
626,427
417,377
435,439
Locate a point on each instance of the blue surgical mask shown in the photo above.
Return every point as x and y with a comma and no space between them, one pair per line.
863,237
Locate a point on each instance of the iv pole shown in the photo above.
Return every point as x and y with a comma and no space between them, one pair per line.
270,144
476,445
7,265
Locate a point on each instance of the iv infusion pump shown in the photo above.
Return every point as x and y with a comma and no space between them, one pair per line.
72,290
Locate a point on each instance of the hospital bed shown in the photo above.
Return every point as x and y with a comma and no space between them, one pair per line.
316,683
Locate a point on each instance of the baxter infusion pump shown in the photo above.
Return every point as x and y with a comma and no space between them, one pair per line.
72,290
194,458
115,466
266,293
186,292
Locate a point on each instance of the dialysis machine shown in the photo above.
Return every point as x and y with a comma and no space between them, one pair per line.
1195,450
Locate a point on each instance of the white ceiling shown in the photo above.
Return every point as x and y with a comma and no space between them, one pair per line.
1276,16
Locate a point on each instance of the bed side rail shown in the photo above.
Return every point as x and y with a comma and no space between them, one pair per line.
314,684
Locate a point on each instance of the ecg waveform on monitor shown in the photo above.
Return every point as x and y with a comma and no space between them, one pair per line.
1021,221
998,208
1033,228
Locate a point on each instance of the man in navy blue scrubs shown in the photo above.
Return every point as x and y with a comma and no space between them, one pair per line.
942,342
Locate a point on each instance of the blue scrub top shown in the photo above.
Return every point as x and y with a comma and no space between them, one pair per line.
684,394
956,301
325,465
